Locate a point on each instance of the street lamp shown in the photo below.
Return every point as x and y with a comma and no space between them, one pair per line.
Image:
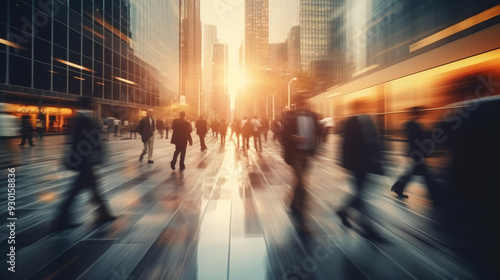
294,79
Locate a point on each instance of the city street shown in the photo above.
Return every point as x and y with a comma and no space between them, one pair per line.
226,216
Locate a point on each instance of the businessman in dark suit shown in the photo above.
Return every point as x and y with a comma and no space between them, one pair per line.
146,128
181,135
300,128
201,130
361,154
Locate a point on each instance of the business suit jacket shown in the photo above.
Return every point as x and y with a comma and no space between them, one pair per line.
361,148
290,128
146,128
201,127
181,132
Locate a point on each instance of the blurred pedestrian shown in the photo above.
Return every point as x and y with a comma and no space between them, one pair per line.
181,135
223,131
202,129
166,124
116,125
246,132
417,136
26,130
86,151
40,125
146,128
265,128
256,130
215,128
276,129
132,129
360,155
299,134
472,135
160,126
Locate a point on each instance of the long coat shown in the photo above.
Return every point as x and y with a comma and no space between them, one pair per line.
181,132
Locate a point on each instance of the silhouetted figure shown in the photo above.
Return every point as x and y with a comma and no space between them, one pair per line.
40,125
132,128
473,135
361,155
146,128
246,132
223,132
160,127
26,130
416,139
201,130
167,128
215,128
181,135
299,134
86,151
276,129
264,128
256,131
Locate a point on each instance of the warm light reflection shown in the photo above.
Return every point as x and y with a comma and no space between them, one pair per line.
79,78
474,20
99,83
364,70
125,81
110,27
10,44
48,197
95,33
74,65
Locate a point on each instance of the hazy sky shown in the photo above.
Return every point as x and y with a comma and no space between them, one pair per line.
228,16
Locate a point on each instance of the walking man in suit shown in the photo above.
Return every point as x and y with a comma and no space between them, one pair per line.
361,154
146,128
181,135
201,130
416,135
85,152
300,128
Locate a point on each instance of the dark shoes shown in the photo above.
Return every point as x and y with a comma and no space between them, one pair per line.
343,217
172,165
183,167
400,194
151,161
141,157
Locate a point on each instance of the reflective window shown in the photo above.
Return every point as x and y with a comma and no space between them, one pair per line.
42,51
59,79
20,69
60,34
41,75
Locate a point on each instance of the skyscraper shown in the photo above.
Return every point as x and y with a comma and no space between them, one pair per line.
220,97
322,39
209,39
190,61
256,45
123,53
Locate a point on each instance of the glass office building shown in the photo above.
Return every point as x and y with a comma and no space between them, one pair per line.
322,39
124,53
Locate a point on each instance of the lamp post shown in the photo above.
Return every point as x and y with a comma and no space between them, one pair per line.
294,79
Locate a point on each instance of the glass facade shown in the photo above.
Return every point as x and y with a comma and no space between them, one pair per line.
394,31
119,51
322,39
